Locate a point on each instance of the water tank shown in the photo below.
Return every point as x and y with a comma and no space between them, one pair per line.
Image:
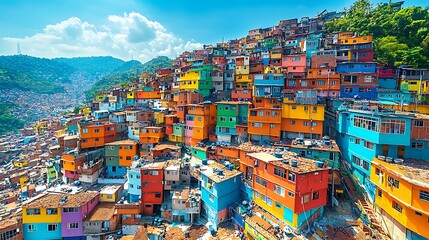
278,155
294,163
205,161
319,164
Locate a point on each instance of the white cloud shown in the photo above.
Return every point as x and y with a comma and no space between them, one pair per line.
123,35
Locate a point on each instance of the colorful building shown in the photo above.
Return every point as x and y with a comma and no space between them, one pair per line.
229,115
119,155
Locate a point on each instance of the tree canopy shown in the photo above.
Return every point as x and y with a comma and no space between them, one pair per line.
401,35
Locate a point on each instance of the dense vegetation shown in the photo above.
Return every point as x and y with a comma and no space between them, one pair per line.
8,123
127,73
94,66
40,68
401,35
10,79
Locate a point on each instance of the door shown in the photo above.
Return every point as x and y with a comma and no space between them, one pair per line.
385,150
401,151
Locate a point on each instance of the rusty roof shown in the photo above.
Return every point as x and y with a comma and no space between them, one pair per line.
122,142
53,200
304,165
102,212
163,146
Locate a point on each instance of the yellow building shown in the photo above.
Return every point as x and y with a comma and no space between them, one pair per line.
158,117
111,193
402,197
302,120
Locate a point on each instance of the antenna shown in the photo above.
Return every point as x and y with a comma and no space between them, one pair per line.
18,49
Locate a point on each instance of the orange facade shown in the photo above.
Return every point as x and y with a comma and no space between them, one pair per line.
148,94
96,134
265,121
127,151
152,134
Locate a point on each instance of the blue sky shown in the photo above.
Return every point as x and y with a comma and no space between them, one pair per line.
145,28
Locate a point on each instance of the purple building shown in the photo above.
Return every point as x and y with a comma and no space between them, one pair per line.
73,213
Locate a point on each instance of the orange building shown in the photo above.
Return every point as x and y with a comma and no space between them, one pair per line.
200,121
265,124
127,150
96,134
152,134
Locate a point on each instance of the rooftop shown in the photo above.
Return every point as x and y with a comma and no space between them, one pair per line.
102,212
212,170
122,142
233,102
5,223
163,146
110,189
413,171
154,165
312,144
54,200
304,165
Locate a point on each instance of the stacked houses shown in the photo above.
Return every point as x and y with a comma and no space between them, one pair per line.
256,130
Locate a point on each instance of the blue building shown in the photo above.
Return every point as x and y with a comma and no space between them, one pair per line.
134,182
220,188
358,80
365,132
268,84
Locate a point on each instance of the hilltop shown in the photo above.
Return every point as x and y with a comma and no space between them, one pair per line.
126,73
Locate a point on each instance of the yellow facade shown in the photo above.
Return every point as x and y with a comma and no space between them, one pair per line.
189,80
158,117
303,111
100,97
400,197
23,181
414,86
43,217
175,138
131,95
251,233
242,69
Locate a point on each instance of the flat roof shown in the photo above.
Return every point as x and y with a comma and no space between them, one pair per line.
315,144
163,146
102,212
304,165
5,223
154,165
110,189
122,142
209,170
413,171
233,102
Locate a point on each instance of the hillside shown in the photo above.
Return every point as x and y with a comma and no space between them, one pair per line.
130,70
40,68
94,66
10,79
401,35
8,123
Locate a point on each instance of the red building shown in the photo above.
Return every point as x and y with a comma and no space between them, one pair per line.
152,187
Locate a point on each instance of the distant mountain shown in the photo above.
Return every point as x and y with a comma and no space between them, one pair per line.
39,68
10,79
129,71
94,66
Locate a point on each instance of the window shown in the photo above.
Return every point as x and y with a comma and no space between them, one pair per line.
211,198
128,158
306,198
280,172
128,147
418,123
109,196
51,211
392,182
33,211
294,107
417,145
267,200
154,172
32,228
71,210
157,195
261,182
379,193
97,130
390,126
73,225
291,194
272,125
292,122
397,207
315,195
291,177
368,144
278,205
424,195
368,123
85,130
357,140
279,190
418,213
321,83
305,123
52,227
257,195
223,119
256,124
